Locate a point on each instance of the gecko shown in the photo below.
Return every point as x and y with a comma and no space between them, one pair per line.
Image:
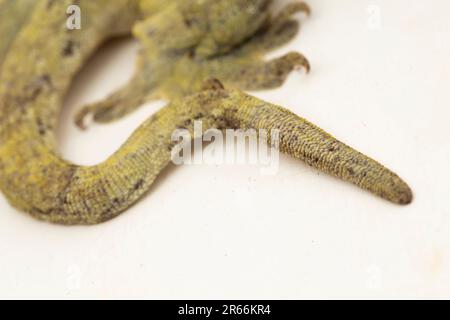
202,56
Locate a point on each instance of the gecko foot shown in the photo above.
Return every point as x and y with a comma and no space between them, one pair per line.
261,75
120,103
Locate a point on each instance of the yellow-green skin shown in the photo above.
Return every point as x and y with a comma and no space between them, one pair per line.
223,39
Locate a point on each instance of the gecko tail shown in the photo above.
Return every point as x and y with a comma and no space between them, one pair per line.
304,141
54,190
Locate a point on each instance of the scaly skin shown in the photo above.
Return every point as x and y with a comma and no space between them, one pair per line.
20,10
217,38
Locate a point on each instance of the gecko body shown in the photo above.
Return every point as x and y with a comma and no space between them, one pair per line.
183,43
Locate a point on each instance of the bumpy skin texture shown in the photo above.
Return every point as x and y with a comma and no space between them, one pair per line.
9,27
225,39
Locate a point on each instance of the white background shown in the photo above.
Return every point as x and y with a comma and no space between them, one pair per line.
380,82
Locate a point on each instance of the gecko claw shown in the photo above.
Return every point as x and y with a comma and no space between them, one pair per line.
80,118
299,61
97,112
289,10
91,113
298,7
305,8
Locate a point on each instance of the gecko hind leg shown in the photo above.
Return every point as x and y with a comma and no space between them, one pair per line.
263,75
117,105
243,68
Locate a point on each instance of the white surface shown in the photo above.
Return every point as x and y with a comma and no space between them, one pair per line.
228,232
